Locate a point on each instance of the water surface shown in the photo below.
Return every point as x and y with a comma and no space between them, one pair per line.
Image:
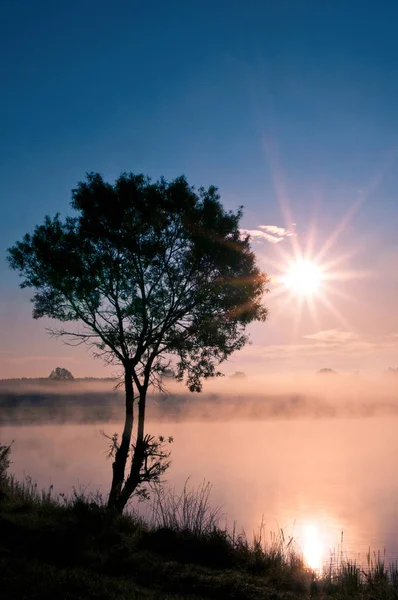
320,480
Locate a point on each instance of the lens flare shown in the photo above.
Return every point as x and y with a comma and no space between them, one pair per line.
303,279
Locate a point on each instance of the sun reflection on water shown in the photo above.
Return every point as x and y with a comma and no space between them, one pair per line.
312,547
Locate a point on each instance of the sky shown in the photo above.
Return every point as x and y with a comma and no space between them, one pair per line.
288,107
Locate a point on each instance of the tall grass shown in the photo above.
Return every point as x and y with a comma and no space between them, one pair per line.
189,510
28,492
373,578
196,528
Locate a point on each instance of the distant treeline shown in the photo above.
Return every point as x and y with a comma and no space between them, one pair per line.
34,380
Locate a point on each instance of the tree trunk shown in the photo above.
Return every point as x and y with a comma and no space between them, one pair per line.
141,414
119,464
134,479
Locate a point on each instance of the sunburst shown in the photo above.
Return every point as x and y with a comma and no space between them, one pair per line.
304,278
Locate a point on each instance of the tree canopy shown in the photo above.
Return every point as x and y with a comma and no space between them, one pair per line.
154,275
147,269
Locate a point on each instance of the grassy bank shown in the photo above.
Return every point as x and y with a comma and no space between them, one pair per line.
66,548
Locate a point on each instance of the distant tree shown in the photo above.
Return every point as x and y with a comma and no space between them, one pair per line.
60,374
238,375
147,271
391,371
327,372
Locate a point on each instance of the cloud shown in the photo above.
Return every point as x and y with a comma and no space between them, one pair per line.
258,235
278,231
331,342
269,233
332,336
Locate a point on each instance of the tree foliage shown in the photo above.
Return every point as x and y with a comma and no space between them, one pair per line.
154,275
61,374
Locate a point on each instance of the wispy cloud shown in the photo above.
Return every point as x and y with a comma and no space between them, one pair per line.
268,233
277,231
331,342
258,235
332,336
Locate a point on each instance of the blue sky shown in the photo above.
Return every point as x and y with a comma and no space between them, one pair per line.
266,100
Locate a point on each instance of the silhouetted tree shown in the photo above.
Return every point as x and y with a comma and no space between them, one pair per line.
149,272
391,371
238,375
60,374
327,371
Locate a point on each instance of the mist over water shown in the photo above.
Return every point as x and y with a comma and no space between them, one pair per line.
272,396
313,456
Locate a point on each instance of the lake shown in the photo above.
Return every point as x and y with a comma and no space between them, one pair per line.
321,480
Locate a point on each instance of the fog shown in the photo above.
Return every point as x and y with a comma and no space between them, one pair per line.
287,396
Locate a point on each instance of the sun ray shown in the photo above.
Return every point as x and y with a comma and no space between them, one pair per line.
283,304
297,319
348,275
279,185
339,229
277,265
314,312
341,259
309,251
278,291
335,312
333,291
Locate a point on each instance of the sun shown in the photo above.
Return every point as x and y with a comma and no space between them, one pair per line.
306,280
308,273
303,277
